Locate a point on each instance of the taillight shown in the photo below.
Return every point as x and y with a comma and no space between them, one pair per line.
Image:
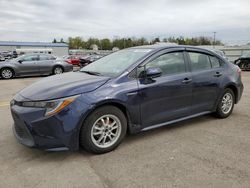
68,61
239,71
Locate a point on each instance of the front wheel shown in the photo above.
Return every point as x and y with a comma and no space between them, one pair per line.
7,73
103,130
226,104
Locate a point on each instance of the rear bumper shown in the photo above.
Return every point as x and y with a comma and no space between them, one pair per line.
240,89
68,68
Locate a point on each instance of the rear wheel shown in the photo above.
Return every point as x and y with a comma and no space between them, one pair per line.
103,130
58,70
226,104
7,73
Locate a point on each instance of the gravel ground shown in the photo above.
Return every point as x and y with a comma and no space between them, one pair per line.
202,152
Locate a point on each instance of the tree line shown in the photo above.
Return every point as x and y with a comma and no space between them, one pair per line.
108,44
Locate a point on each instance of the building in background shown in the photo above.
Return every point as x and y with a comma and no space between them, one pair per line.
57,49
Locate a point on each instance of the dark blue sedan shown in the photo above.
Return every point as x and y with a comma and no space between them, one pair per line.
129,91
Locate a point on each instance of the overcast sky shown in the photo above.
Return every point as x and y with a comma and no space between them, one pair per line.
40,20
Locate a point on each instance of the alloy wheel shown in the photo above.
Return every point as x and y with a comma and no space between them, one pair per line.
227,103
6,73
58,70
106,131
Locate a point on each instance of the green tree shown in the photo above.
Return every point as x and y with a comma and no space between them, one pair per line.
75,42
105,44
62,41
155,40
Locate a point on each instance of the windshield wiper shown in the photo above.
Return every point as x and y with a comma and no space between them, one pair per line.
92,73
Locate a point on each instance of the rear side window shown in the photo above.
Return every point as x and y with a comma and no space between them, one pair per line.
170,63
215,62
199,61
44,57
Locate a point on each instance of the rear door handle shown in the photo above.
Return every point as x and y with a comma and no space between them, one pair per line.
218,74
186,80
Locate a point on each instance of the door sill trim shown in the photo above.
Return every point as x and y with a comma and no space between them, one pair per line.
175,121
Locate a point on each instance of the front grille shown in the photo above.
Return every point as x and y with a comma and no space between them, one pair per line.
21,131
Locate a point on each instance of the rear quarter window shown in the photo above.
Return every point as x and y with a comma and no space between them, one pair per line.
199,61
215,62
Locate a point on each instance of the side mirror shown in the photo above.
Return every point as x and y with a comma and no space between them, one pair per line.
153,72
20,61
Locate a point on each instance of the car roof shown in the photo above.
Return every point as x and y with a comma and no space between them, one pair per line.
158,47
37,54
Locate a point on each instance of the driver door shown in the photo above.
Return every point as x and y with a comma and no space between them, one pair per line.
28,65
169,96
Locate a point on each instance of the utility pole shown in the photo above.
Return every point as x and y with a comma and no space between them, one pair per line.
214,39
123,42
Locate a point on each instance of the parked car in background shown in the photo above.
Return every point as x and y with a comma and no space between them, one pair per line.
2,58
128,91
33,64
74,60
7,55
243,62
85,60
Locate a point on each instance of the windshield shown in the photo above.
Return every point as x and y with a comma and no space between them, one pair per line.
19,57
115,63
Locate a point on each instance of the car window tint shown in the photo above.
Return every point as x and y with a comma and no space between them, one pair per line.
30,58
215,62
170,63
44,57
199,61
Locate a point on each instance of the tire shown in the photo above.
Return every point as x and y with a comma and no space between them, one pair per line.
226,104
95,134
57,70
7,73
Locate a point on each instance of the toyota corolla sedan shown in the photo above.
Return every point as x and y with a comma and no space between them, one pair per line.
129,91
33,64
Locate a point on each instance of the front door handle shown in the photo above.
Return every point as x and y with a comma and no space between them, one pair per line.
186,80
132,93
218,74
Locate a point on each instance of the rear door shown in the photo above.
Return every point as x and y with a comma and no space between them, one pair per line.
167,97
207,74
45,63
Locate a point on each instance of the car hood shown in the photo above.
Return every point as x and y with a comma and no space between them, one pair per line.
60,86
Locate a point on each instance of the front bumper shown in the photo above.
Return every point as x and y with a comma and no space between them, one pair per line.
59,132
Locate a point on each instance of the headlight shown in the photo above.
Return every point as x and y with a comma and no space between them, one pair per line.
52,107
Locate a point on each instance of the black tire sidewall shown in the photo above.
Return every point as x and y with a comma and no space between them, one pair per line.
9,70
85,132
219,111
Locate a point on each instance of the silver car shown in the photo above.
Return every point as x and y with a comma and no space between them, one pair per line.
33,64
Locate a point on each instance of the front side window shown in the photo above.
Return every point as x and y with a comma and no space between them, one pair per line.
199,61
170,63
29,58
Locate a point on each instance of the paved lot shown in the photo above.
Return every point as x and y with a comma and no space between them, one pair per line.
203,152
